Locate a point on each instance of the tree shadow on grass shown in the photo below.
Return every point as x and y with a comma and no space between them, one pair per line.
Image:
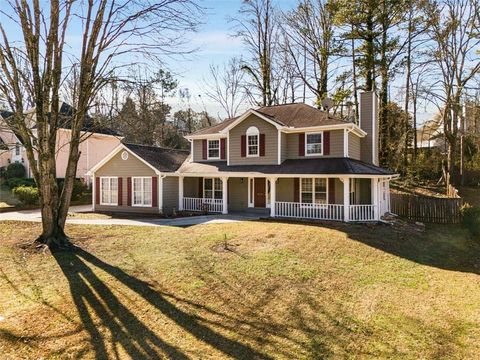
139,341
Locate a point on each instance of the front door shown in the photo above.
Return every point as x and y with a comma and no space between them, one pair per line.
260,198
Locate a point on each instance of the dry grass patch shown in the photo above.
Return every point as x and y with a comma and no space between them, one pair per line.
241,290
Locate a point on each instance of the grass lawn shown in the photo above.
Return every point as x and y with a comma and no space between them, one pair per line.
7,200
242,290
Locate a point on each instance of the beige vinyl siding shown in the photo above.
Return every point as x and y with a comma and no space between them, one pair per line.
271,139
284,149
336,145
131,167
170,194
338,192
285,188
354,146
198,152
190,187
366,123
237,194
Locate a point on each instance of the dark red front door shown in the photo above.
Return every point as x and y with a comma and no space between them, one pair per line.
259,188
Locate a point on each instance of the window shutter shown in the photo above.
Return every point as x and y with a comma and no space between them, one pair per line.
243,145
296,190
326,143
262,144
97,190
129,191
200,187
222,149
120,191
301,144
204,149
331,191
154,191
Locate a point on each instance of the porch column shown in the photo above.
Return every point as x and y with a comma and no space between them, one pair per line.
224,195
273,195
94,190
180,193
346,199
375,202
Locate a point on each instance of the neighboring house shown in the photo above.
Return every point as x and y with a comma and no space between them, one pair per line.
430,135
97,143
290,160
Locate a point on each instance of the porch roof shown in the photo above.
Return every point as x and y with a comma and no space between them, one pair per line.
325,166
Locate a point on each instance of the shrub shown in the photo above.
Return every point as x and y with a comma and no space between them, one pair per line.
27,195
15,182
15,170
3,170
79,188
471,219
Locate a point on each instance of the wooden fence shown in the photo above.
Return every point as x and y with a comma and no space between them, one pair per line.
427,209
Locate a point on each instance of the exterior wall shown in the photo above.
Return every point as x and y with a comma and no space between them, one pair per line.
271,140
284,149
170,194
336,146
354,146
190,187
285,189
369,123
198,152
237,194
124,169
338,192
92,151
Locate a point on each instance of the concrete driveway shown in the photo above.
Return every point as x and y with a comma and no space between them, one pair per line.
34,215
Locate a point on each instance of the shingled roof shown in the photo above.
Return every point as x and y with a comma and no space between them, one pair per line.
162,159
289,115
323,166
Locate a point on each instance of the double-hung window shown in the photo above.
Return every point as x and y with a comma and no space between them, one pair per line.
313,143
212,188
313,191
214,149
142,191
17,150
253,142
109,191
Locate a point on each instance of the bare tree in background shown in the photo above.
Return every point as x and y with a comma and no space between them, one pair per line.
226,87
110,29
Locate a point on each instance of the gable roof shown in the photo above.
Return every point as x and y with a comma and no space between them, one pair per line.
287,115
162,159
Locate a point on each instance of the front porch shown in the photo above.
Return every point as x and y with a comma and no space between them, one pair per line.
316,198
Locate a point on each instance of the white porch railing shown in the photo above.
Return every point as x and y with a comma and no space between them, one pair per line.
309,211
362,212
203,204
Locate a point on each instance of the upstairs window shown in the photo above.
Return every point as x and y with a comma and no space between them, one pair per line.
109,191
313,191
17,150
214,149
313,143
253,141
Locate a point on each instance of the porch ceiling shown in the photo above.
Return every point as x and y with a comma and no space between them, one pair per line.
325,166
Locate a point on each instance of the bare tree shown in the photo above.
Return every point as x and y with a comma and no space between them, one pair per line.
110,29
226,86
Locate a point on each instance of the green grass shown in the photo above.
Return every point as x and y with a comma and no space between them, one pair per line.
242,290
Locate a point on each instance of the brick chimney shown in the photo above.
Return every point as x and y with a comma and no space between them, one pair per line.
368,121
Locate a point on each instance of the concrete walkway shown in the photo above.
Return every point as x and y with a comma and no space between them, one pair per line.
34,215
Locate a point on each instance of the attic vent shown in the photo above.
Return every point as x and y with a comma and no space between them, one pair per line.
124,155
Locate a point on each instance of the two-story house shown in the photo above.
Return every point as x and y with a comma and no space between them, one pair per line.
289,160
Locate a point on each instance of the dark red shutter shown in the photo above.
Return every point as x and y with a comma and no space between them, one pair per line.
204,149
262,144
243,145
331,191
301,144
129,191
97,190
154,191
200,187
222,149
120,191
296,190
326,143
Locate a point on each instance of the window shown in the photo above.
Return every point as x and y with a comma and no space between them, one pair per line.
109,191
313,144
17,150
212,188
253,141
142,191
313,191
214,149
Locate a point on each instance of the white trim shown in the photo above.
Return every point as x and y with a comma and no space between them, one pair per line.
250,192
256,174
313,189
279,147
306,144
213,186
219,150
227,150
351,126
94,190
213,136
160,193
115,152
142,190
246,115
110,185
248,147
